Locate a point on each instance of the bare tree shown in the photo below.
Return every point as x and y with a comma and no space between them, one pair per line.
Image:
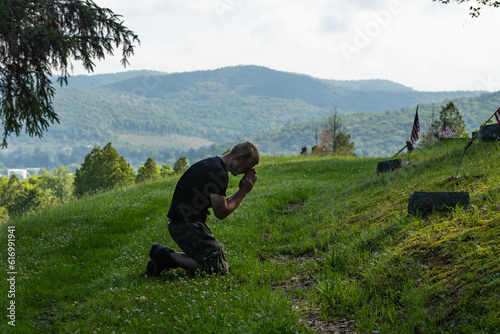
334,126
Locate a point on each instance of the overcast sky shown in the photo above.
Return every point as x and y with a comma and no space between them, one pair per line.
422,44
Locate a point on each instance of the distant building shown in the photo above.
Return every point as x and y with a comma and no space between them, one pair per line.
22,173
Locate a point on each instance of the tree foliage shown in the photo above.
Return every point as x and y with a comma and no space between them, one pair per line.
59,184
181,165
147,172
475,9
20,197
166,170
334,138
103,169
37,37
451,114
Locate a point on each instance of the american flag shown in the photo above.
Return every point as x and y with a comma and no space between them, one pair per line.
445,130
497,115
416,128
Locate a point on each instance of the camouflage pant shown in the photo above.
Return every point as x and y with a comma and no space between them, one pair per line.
196,240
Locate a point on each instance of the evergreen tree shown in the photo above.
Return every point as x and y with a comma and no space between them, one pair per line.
166,170
451,114
147,172
103,169
37,37
181,165
345,145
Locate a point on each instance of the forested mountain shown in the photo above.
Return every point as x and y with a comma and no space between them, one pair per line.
254,81
162,115
374,134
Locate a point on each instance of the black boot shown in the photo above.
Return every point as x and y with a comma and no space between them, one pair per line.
160,260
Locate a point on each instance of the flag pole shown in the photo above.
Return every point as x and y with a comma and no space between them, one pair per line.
473,138
413,136
401,150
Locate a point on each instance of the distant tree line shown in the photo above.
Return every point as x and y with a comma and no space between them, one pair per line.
103,169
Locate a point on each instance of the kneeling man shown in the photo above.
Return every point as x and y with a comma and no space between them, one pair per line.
204,186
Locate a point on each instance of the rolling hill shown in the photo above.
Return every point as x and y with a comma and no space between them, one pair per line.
320,242
165,115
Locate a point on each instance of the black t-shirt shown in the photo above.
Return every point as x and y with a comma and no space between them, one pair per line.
191,198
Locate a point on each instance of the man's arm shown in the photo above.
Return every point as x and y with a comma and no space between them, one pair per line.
223,206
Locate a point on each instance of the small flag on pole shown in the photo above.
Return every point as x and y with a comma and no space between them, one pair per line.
416,128
497,115
445,130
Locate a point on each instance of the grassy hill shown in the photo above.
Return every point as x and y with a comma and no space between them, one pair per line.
319,244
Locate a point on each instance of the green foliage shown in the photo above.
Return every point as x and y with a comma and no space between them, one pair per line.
141,112
103,169
35,193
148,172
181,165
166,170
59,184
451,114
345,145
4,215
38,37
20,197
334,138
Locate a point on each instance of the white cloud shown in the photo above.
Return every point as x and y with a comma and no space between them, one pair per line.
424,45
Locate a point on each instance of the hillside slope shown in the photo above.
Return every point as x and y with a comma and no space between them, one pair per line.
321,243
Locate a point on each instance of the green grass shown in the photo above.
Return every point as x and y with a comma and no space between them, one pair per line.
319,241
